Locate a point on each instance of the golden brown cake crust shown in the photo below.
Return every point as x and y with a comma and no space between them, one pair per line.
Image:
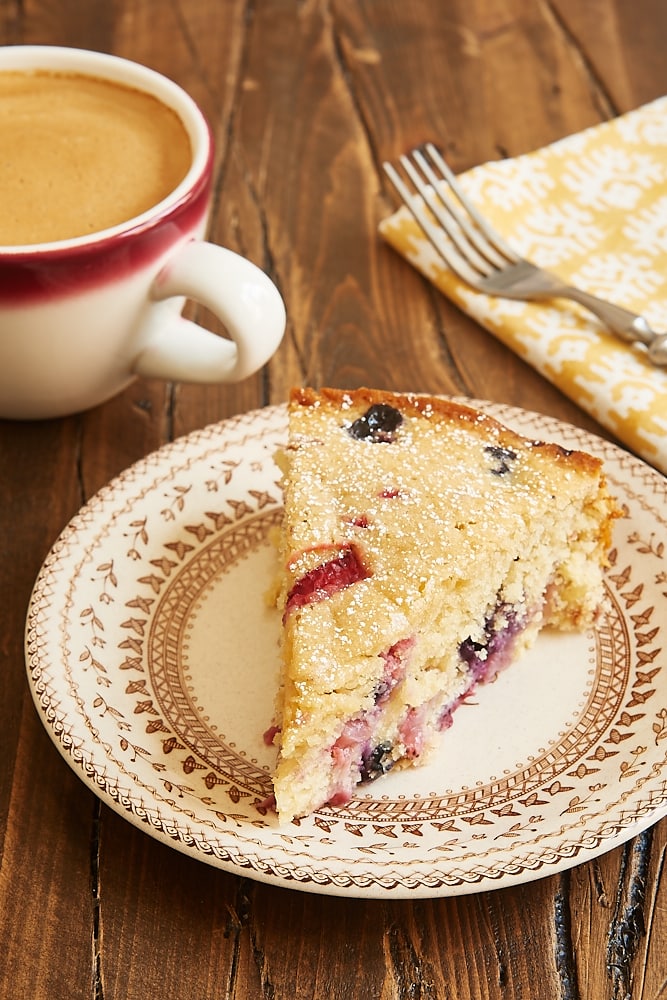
445,409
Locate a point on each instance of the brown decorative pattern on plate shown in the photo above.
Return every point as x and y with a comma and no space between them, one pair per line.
152,655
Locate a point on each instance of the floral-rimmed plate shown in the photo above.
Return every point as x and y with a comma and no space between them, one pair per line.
152,656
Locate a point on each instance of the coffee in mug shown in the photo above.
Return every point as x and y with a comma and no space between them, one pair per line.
85,154
105,184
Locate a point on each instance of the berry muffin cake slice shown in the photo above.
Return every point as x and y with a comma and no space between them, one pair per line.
424,545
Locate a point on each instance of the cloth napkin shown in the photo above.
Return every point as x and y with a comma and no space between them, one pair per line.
593,209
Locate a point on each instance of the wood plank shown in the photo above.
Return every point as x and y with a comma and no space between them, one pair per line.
621,47
46,811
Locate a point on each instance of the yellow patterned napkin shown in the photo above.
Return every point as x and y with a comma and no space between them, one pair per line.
593,209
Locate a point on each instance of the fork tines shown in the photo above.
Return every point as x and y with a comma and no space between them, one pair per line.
464,239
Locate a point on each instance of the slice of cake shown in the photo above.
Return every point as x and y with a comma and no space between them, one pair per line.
423,546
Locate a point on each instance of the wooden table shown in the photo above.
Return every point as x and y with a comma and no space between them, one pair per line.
306,99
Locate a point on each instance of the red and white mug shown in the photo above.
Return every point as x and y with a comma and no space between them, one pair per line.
81,317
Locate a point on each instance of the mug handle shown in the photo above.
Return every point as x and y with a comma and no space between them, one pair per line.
242,297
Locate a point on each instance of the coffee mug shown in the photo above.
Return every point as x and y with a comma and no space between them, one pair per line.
104,199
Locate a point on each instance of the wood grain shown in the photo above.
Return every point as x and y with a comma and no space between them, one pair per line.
306,98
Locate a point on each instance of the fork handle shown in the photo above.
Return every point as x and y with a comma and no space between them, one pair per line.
625,324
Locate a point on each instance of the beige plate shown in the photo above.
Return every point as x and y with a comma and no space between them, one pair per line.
152,657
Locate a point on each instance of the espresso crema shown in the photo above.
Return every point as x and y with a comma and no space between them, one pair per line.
79,154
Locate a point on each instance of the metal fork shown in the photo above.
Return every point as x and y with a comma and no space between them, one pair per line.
475,252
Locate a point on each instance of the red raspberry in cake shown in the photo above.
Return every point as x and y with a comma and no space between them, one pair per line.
342,570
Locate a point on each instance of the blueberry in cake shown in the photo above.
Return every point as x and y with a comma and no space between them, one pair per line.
423,546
